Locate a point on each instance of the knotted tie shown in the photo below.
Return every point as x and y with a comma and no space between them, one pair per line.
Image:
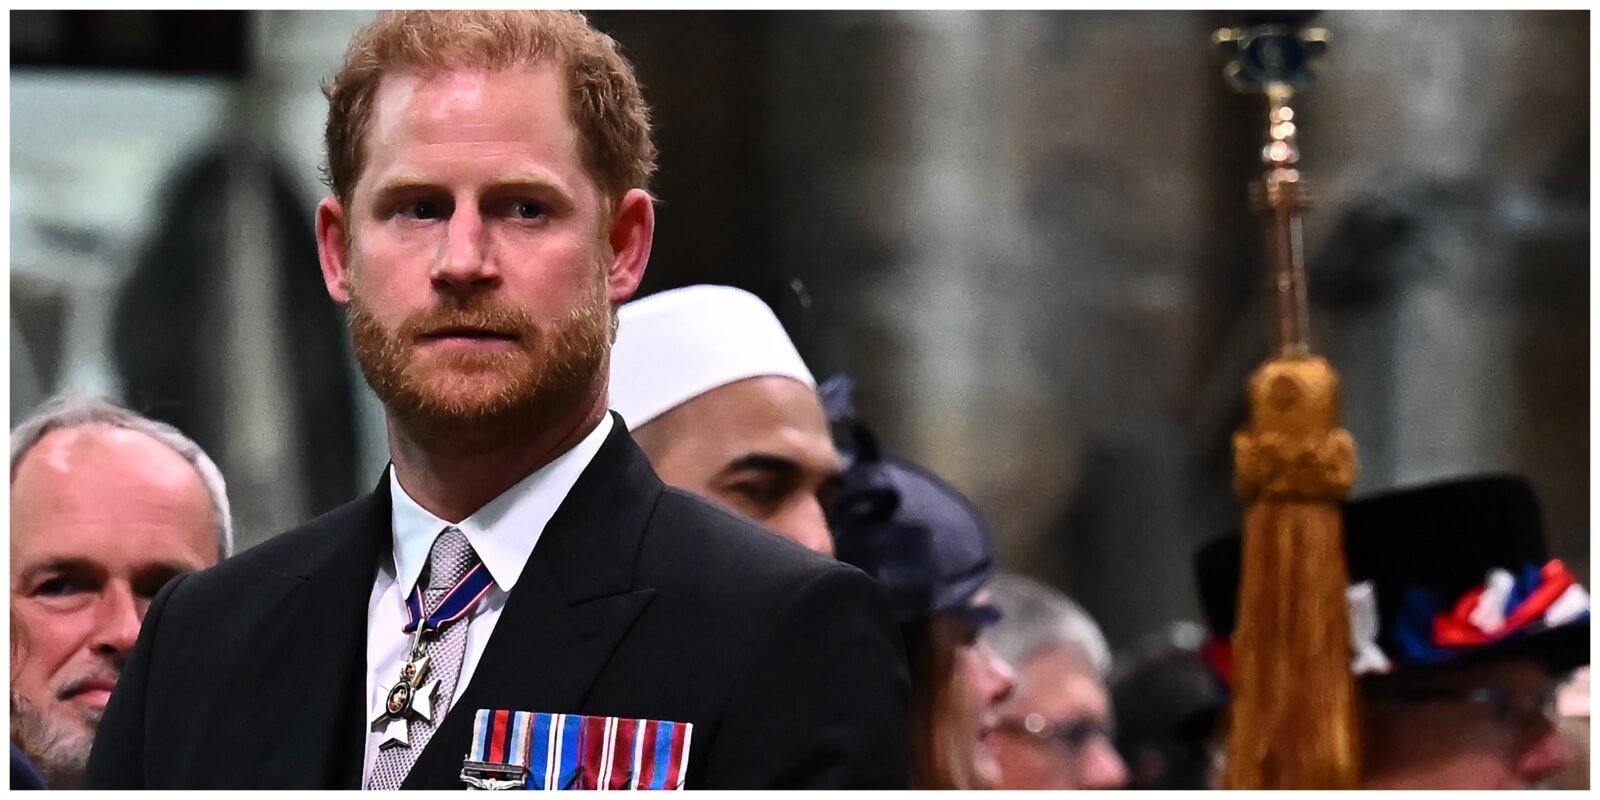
449,560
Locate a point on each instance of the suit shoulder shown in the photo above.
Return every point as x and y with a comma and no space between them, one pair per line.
295,551
705,542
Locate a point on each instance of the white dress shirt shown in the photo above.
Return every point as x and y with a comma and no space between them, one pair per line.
503,533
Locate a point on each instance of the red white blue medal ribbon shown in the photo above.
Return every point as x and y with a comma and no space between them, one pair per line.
519,749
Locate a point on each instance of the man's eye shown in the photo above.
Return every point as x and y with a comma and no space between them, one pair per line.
55,587
148,585
423,209
763,495
527,209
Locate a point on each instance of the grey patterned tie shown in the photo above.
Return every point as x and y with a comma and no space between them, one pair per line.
450,559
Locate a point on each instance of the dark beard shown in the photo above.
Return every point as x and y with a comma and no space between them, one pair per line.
465,402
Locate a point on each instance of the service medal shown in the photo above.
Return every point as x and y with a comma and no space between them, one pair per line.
410,698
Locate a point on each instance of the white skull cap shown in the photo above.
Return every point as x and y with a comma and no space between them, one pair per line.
676,345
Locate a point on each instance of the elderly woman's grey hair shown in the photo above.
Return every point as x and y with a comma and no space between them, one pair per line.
1038,618
70,411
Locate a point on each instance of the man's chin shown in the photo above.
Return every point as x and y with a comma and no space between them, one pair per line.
470,399
462,403
467,398
57,744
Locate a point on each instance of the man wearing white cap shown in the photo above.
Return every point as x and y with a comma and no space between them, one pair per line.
717,396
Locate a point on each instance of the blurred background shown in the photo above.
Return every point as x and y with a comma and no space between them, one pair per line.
1025,233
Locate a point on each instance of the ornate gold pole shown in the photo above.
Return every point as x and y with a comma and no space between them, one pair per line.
1293,716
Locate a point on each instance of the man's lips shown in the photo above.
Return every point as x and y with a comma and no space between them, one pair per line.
96,690
469,334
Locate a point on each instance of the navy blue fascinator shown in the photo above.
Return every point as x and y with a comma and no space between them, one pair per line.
919,537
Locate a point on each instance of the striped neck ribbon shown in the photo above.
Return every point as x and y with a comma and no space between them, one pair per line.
456,603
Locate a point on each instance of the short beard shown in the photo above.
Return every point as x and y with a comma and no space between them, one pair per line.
466,402
58,747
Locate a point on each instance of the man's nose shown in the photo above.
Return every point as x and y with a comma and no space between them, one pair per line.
116,624
1551,754
1004,679
465,265
1103,768
807,525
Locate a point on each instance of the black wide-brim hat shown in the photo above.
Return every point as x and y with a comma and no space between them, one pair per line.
1428,552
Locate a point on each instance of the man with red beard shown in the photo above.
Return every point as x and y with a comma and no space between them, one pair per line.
520,602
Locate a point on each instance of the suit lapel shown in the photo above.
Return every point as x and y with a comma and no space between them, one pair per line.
317,635
568,612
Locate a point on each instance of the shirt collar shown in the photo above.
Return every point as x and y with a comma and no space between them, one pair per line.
505,530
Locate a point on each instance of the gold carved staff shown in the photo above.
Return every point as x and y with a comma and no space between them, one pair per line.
1293,714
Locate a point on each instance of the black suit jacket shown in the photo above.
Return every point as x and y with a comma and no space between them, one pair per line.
639,601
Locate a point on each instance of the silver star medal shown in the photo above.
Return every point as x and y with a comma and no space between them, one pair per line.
400,704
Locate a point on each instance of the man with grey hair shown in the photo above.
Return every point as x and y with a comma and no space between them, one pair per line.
1055,731
106,507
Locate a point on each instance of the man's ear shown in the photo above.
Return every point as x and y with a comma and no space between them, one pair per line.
333,249
633,228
